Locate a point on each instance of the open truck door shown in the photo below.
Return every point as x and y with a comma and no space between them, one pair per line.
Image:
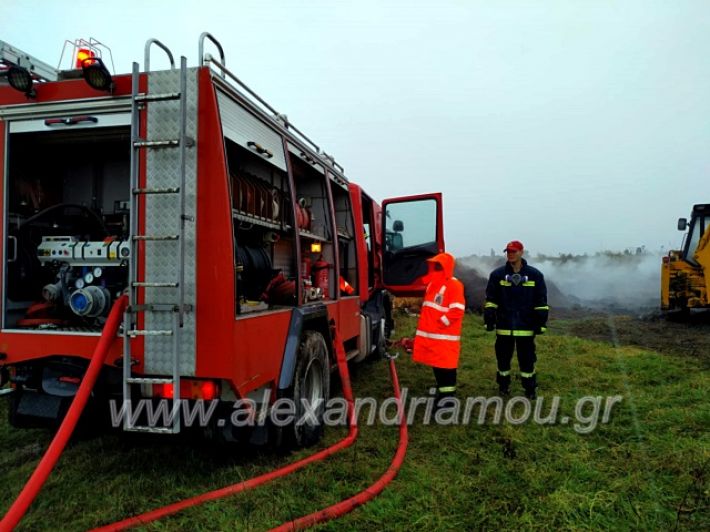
413,231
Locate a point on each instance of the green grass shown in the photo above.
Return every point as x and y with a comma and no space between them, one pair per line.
647,468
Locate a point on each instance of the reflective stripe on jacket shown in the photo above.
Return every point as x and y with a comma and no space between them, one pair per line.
437,341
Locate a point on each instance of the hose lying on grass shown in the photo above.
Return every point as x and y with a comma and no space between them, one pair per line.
54,451
233,489
51,456
349,504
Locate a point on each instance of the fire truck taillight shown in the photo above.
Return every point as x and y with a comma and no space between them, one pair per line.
189,389
81,55
163,390
209,390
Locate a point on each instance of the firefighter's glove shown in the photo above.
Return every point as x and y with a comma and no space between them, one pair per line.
489,318
541,330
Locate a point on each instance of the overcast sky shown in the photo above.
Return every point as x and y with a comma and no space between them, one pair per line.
572,126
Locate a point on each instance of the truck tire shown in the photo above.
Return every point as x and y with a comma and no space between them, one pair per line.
311,382
386,326
381,339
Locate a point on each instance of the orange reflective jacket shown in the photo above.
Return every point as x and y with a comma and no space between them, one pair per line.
438,339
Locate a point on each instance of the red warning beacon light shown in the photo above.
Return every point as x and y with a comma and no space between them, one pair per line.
82,54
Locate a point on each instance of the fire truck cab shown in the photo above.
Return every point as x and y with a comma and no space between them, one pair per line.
244,250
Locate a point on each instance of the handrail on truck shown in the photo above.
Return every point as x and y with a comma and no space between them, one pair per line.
159,44
201,59
279,118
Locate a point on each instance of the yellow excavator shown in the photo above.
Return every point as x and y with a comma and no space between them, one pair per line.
685,274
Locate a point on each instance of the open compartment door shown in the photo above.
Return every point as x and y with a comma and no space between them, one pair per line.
413,231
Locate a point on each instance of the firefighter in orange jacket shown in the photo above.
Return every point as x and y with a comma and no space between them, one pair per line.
438,338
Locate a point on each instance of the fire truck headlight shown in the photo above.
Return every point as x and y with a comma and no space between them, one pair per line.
20,79
96,74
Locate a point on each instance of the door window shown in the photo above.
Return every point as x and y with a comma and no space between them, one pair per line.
697,229
412,234
410,225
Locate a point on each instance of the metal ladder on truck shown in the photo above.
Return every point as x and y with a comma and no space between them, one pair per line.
178,308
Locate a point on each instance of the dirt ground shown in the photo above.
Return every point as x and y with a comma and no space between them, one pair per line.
672,336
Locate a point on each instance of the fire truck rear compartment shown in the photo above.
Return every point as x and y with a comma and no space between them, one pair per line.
67,198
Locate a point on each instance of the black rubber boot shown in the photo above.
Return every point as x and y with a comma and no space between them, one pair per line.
445,385
442,400
503,384
530,386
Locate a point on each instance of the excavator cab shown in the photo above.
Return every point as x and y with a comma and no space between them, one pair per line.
699,223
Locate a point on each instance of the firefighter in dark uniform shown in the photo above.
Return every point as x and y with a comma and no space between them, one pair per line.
516,307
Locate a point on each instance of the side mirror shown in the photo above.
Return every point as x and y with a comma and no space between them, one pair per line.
398,226
682,224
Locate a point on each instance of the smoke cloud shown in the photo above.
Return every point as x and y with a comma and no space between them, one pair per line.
628,280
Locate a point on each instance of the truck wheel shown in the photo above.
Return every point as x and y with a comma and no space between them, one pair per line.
311,383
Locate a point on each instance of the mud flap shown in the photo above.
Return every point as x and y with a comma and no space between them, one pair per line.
316,318
39,405
32,409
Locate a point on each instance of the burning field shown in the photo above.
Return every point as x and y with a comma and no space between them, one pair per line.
577,285
585,291
618,282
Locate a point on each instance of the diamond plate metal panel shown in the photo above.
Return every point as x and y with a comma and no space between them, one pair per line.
162,217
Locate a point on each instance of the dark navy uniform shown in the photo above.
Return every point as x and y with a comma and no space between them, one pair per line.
516,306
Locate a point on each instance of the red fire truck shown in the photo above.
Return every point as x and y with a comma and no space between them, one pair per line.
243,248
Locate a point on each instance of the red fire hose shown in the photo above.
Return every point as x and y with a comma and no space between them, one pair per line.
49,460
349,504
261,479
